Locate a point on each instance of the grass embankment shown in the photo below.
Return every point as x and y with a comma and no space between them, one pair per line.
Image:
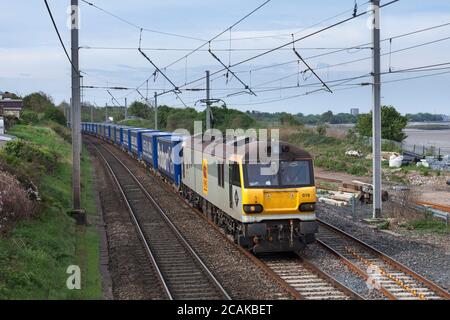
329,152
429,225
35,253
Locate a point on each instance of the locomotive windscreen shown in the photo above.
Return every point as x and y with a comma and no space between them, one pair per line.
288,174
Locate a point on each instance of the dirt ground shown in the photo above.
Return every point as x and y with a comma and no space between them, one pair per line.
430,189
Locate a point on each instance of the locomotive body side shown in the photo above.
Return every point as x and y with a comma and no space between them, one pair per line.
266,214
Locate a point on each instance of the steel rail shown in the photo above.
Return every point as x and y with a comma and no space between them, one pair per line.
167,220
425,283
269,272
296,294
137,225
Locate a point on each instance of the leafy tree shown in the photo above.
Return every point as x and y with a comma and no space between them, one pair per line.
139,109
56,115
38,102
181,119
289,119
392,124
327,116
424,117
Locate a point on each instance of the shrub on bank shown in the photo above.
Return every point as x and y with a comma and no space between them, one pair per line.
15,203
37,156
28,117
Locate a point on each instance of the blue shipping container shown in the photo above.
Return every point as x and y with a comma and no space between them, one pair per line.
124,136
170,156
136,140
127,138
117,134
150,147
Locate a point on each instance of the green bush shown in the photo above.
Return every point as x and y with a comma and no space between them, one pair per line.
62,131
29,117
38,156
322,129
390,146
56,115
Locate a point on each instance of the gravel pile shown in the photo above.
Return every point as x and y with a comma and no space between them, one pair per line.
237,273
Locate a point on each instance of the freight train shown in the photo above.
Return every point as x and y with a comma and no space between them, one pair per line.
265,213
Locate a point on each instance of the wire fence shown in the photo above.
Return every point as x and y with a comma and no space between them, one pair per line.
419,148
426,150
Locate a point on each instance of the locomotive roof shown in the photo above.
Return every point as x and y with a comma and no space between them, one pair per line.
232,149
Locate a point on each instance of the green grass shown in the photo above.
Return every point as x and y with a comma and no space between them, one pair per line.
429,225
329,152
35,255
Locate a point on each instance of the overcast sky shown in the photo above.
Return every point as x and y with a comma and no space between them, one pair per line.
31,58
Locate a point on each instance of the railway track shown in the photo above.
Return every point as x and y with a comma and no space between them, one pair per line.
182,274
394,280
306,279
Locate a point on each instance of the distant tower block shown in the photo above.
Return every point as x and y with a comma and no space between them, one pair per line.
354,111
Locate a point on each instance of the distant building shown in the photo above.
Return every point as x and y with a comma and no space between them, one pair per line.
354,111
10,106
4,138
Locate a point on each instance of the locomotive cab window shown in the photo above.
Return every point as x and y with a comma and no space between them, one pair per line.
235,175
296,173
221,175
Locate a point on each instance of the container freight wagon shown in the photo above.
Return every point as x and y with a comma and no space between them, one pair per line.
150,147
92,128
108,132
170,153
124,137
118,135
126,143
100,130
136,141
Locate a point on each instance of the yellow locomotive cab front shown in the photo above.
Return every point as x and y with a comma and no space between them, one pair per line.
280,201
284,188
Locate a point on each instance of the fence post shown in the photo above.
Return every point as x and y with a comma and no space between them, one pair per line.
353,203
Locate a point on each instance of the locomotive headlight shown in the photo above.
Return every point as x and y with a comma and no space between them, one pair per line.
305,207
253,208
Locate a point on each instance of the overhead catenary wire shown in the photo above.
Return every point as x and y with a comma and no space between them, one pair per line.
355,60
356,85
113,98
215,37
359,46
290,42
297,32
230,71
134,25
60,39
309,67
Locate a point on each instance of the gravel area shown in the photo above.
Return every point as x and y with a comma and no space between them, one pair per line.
238,274
132,275
428,255
331,265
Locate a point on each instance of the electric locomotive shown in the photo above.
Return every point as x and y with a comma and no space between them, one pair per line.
264,209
